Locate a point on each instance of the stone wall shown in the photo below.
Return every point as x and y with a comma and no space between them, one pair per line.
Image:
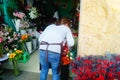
99,30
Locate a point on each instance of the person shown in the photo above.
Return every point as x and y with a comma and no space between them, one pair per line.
50,47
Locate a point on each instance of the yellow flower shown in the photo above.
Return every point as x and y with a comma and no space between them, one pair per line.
12,55
19,51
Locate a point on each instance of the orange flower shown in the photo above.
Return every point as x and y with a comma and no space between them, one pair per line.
66,60
24,37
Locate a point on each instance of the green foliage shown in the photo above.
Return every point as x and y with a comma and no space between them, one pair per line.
12,5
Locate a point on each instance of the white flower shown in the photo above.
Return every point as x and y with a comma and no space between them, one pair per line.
34,13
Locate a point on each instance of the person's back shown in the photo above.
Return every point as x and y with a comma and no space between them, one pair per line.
54,34
50,47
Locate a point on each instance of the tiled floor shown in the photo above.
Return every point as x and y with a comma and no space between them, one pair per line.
29,70
24,75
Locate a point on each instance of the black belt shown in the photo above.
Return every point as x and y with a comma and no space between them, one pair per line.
46,43
49,51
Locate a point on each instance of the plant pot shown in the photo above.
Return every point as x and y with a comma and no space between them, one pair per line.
29,46
15,67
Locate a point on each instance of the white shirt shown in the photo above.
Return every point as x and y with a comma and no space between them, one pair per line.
56,34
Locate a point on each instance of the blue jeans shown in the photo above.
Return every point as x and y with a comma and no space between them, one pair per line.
53,59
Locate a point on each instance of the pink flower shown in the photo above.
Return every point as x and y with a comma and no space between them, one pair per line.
1,39
19,14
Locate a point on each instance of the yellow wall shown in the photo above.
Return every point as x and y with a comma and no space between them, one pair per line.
99,29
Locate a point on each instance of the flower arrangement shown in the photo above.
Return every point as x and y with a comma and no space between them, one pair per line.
16,55
24,24
96,68
26,38
19,15
20,21
33,13
67,55
12,40
3,37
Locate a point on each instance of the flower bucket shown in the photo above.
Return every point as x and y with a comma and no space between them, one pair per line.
16,23
34,42
29,46
29,31
16,68
22,31
34,29
24,58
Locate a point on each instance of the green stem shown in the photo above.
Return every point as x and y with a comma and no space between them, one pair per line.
16,69
1,51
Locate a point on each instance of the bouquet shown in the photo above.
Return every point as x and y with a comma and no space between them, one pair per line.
19,20
16,55
67,55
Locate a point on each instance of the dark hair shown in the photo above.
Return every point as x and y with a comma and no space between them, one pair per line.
64,20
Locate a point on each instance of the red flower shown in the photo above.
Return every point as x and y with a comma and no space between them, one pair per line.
96,68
